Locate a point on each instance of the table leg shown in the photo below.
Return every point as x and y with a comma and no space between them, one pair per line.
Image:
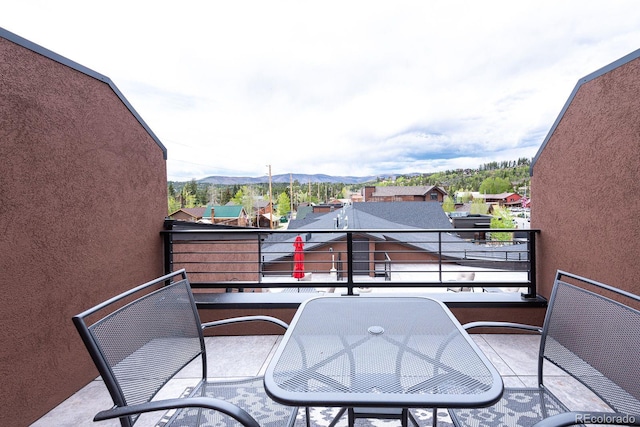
337,418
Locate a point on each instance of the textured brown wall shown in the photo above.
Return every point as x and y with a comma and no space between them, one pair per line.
83,199
586,184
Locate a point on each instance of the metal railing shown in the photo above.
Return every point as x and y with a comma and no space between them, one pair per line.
254,260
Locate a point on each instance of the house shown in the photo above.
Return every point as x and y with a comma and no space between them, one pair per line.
421,193
227,215
327,207
189,214
262,206
356,198
502,199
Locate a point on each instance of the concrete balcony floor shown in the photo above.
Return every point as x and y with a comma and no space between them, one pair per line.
514,355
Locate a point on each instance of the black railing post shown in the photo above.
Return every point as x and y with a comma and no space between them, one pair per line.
349,263
260,260
440,256
531,248
168,246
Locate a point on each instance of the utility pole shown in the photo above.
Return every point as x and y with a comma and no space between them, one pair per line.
291,193
270,201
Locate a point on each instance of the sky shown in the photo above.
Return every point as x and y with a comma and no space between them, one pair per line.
349,88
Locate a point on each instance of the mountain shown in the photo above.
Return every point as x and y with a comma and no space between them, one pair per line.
285,178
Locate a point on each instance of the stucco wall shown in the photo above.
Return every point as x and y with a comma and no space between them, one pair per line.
586,183
83,199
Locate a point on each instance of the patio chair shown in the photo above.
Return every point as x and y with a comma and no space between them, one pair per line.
140,339
592,332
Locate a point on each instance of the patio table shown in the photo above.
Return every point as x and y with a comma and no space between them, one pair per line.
379,352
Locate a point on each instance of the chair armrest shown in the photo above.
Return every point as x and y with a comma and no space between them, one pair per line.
502,325
578,417
190,402
245,319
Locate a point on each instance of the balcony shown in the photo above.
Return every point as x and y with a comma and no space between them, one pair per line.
248,270
514,355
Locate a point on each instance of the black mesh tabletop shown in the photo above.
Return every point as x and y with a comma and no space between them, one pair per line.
379,351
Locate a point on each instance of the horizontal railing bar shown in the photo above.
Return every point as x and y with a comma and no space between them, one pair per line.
254,231
329,284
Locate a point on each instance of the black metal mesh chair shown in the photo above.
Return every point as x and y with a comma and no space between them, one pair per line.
141,339
592,332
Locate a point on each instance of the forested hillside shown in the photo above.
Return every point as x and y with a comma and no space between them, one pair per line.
512,175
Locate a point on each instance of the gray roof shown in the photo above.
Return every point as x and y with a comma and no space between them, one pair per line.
405,190
412,214
308,220
385,216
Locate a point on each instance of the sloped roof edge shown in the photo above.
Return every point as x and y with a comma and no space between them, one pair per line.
225,211
604,70
14,38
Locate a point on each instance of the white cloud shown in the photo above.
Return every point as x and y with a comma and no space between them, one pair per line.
348,88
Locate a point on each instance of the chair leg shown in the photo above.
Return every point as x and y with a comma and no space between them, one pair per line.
434,415
307,414
413,419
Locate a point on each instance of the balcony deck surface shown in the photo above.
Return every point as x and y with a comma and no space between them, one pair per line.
513,355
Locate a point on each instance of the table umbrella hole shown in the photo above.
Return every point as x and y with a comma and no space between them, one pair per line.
376,330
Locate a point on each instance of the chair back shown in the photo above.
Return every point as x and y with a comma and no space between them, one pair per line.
140,339
592,331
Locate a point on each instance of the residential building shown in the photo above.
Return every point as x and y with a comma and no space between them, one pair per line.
502,199
227,215
389,193
189,214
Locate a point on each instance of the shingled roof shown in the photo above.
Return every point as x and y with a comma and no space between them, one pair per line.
410,214
410,190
